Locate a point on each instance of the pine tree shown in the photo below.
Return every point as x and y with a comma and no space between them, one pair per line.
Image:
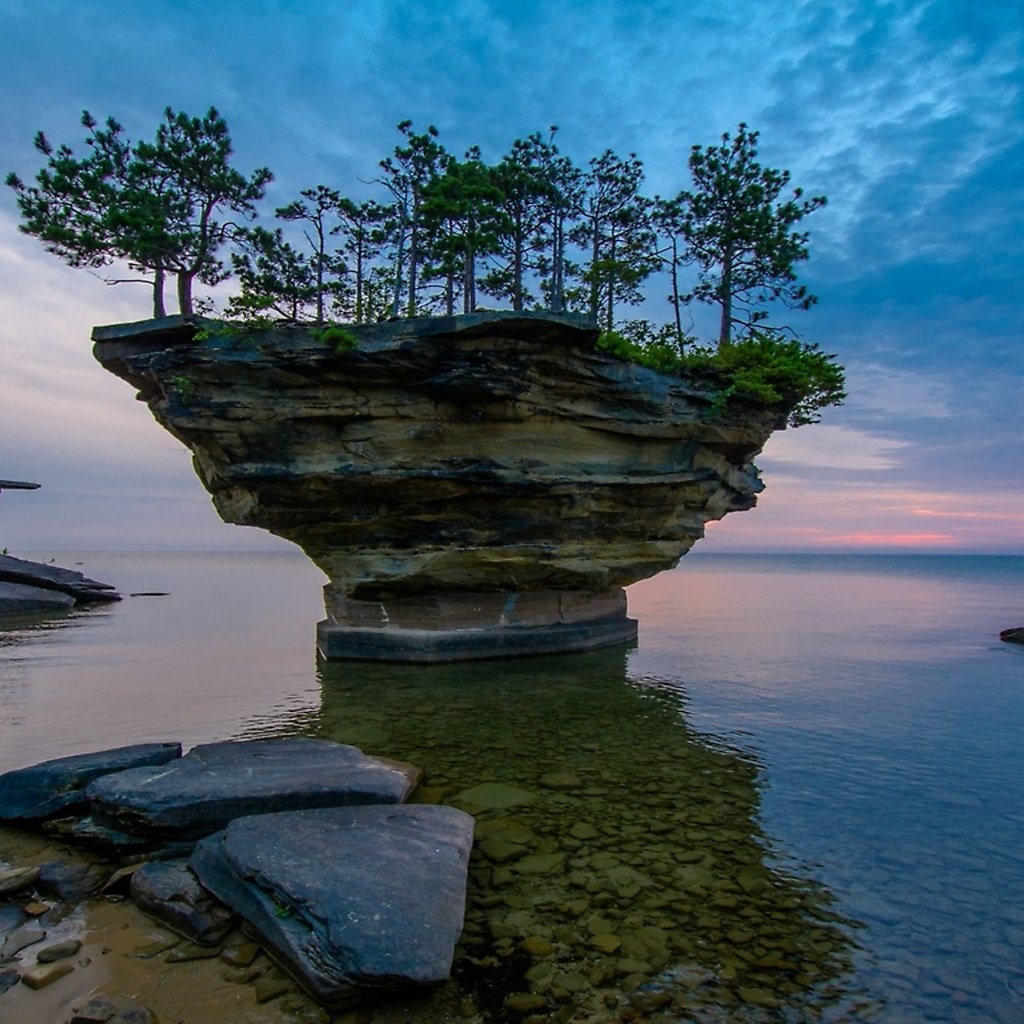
614,229
741,236
154,205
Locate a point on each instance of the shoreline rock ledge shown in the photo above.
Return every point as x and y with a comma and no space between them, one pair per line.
473,486
28,587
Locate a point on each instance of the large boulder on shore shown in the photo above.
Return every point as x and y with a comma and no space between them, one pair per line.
58,787
355,902
217,782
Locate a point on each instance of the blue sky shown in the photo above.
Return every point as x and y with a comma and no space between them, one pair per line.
908,115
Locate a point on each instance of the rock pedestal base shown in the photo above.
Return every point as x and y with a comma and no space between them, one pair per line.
462,627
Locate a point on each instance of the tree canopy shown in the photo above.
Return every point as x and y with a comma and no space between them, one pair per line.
155,205
740,235
533,230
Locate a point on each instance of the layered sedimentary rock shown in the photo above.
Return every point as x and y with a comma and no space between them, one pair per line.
478,478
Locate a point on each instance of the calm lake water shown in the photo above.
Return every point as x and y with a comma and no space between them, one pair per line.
799,797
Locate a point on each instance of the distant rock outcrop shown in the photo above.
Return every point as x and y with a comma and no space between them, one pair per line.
27,587
472,485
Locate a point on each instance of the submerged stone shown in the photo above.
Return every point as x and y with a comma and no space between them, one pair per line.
358,902
52,787
495,796
217,782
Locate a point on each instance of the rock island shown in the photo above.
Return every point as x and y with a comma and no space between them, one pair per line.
473,486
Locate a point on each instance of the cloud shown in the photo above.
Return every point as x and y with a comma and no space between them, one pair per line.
909,115
831,447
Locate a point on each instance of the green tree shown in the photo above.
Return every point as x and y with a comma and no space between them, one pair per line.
363,228
562,194
406,175
155,205
741,236
520,227
315,210
614,229
70,208
461,216
274,277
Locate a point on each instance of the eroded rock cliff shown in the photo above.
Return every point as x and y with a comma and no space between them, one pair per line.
495,453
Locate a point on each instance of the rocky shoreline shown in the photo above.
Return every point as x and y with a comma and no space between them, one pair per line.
350,893
29,588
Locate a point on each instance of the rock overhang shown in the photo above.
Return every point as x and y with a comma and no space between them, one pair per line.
488,453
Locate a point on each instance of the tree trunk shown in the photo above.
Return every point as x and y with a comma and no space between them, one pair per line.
359,281
517,265
675,291
413,268
321,254
159,309
185,292
595,252
610,308
558,268
469,281
725,331
396,303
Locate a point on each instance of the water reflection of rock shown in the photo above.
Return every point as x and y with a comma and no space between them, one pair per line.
619,866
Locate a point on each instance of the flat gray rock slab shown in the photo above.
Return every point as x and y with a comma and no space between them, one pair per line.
22,599
53,577
357,902
218,782
55,787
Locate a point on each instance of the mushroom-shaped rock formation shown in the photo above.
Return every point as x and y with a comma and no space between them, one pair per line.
473,486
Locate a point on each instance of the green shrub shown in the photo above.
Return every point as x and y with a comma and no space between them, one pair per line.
338,337
183,388
793,376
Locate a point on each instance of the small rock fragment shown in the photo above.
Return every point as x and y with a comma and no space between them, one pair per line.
46,974
106,1009
19,940
66,881
149,950
495,795
605,942
168,891
560,780
241,955
266,988
190,951
58,951
15,879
